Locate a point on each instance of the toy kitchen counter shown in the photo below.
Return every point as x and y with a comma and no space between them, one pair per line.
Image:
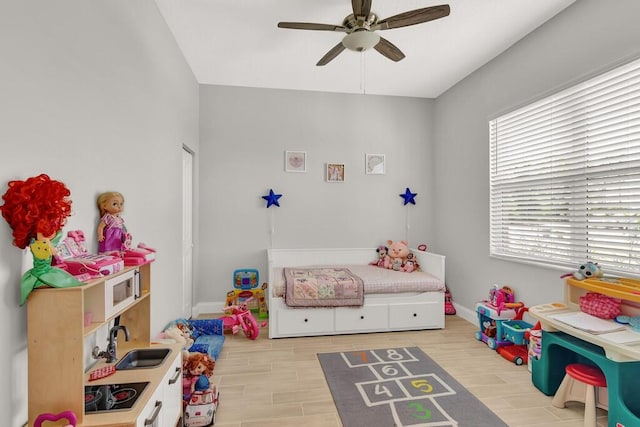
570,336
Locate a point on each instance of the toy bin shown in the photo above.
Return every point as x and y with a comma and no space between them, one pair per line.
514,331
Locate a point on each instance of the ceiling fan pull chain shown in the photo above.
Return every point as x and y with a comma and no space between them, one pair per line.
362,74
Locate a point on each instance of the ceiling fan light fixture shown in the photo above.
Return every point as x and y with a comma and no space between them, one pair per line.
360,41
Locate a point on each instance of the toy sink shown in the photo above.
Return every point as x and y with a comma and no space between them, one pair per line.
143,358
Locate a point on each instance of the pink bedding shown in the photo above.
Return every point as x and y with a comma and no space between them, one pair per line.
376,280
322,287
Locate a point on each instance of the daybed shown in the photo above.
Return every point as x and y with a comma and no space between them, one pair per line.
392,310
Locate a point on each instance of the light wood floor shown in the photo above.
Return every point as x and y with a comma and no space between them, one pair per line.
279,382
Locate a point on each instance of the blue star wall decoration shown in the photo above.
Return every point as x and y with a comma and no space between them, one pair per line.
272,198
409,197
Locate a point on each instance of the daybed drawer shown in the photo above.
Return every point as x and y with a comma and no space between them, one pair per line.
305,321
366,318
411,315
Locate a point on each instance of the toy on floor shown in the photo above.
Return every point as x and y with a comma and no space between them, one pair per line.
200,396
501,324
516,332
202,407
492,325
448,303
245,284
239,316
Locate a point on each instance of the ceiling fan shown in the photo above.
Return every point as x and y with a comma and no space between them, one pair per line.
361,27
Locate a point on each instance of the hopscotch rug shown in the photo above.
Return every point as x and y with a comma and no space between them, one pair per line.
400,387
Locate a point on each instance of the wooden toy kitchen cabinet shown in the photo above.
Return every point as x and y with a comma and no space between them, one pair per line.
62,320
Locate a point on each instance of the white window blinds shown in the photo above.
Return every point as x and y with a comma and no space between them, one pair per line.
565,176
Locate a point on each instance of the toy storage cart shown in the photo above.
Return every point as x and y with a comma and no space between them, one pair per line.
491,325
515,332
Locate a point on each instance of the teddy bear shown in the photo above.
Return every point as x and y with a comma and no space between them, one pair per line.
398,252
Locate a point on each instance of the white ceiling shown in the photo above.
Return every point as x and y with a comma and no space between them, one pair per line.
238,43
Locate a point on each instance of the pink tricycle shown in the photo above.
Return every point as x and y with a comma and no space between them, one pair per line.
239,316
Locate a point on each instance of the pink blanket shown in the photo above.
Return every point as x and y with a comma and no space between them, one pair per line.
322,287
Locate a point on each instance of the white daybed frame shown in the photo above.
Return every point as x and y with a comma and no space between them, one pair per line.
380,312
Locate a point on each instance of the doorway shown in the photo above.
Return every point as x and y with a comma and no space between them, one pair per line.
187,232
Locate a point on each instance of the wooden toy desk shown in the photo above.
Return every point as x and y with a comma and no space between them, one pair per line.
618,358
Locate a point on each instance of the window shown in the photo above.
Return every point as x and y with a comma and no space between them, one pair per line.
565,176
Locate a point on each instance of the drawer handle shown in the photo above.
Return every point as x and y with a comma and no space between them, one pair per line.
306,320
361,317
156,411
415,314
177,376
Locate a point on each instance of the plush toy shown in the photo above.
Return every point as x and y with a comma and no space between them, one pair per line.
178,334
410,263
398,252
586,271
383,257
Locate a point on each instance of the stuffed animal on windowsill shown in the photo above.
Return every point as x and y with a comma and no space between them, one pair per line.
588,270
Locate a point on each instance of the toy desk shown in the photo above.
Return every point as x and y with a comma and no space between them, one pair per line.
563,344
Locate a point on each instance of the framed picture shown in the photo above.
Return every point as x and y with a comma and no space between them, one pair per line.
374,164
295,161
335,172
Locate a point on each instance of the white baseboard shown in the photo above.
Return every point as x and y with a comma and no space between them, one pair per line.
469,315
207,307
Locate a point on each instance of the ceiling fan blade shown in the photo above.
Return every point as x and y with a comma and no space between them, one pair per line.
311,26
335,51
413,17
361,7
389,50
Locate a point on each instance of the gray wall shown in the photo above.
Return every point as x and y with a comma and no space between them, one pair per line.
97,95
244,134
587,37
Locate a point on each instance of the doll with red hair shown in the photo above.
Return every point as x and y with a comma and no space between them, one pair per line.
36,210
197,371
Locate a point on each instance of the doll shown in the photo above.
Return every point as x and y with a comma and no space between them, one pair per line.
36,210
112,233
197,371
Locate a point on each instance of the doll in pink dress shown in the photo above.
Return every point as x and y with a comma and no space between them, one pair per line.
112,233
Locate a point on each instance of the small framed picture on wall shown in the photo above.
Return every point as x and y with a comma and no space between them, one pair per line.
295,161
374,164
335,172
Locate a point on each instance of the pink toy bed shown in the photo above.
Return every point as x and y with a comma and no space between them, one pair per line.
335,291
